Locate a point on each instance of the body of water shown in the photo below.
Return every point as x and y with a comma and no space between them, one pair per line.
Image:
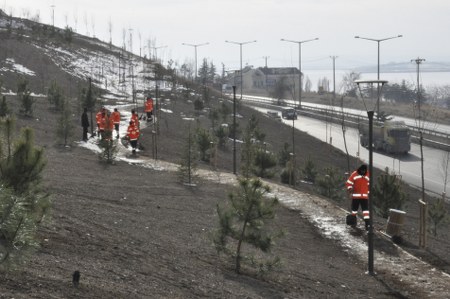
427,79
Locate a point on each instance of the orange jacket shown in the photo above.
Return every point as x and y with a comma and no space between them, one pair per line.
101,121
109,123
133,132
115,115
98,117
149,105
358,185
135,119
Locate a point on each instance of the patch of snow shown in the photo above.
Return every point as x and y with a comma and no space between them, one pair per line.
16,68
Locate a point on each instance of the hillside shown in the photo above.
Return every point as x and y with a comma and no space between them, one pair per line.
133,230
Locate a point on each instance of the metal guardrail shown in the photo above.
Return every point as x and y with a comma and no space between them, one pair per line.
432,138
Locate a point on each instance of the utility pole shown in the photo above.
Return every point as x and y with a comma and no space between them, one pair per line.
265,58
422,202
195,53
240,53
333,100
53,15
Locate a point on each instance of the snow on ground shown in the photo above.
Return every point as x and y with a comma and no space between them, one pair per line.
12,66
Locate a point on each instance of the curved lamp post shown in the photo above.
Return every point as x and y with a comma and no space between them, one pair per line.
378,64
299,65
240,51
370,113
195,52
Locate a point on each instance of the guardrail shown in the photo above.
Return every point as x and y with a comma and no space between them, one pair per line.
432,138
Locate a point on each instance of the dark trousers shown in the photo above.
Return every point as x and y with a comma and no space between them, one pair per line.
133,143
85,132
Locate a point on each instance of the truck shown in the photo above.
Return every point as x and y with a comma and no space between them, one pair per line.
288,113
393,137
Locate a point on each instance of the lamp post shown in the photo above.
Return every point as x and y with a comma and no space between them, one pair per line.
195,48
370,113
53,15
299,65
156,53
378,64
234,130
240,51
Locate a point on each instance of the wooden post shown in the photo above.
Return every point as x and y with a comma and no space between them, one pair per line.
423,224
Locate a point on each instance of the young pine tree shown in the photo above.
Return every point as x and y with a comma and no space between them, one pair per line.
24,94
64,127
330,184
263,162
246,220
437,215
387,194
55,96
188,165
4,109
204,141
23,201
309,171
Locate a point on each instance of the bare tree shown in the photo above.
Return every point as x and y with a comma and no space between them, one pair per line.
445,171
75,19
85,19
110,28
93,25
308,84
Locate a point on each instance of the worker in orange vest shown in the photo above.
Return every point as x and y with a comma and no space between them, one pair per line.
116,120
134,118
149,109
98,119
358,190
108,125
133,135
101,123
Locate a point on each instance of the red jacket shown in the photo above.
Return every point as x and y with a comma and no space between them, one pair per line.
358,185
135,119
115,115
133,132
149,105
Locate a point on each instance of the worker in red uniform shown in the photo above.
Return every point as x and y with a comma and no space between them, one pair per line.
101,123
98,119
149,109
134,118
133,135
358,189
108,126
116,120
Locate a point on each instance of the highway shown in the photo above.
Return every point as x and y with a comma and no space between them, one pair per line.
408,166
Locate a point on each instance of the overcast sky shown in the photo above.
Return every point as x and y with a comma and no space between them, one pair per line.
425,26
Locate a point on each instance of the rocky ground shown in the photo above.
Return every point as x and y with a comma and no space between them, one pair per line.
134,231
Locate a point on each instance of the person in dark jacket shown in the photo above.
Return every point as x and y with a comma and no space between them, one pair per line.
85,124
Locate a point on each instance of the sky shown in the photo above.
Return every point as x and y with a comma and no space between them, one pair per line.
167,24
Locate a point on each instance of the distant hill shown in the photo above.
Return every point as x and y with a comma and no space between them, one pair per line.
406,67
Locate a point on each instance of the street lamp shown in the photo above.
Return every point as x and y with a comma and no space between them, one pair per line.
299,65
234,130
378,65
156,53
240,48
370,113
195,47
